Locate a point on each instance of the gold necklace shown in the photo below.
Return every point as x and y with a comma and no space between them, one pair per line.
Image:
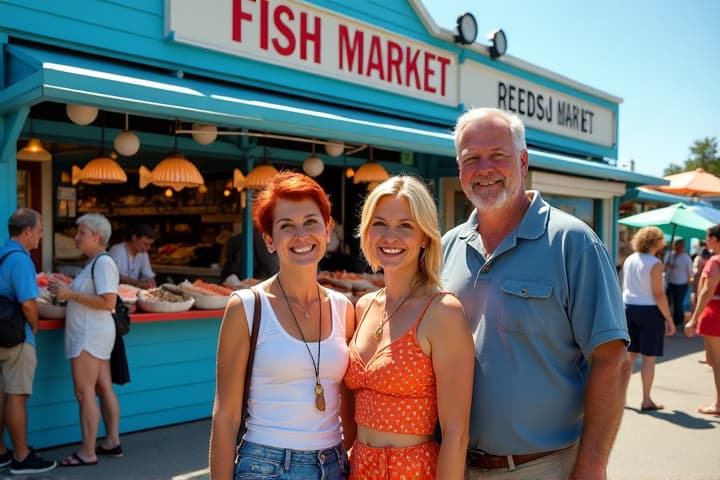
385,317
319,390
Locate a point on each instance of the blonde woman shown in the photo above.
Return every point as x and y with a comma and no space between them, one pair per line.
411,359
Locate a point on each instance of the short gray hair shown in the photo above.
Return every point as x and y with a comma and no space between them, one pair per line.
97,224
517,129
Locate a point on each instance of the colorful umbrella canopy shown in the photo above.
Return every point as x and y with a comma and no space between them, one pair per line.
676,220
694,182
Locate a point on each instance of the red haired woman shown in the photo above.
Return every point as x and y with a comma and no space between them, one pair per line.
296,396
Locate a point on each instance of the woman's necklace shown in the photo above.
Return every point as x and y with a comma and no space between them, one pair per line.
319,390
385,317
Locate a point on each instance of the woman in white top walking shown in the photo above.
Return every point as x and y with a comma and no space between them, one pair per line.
646,306
296,397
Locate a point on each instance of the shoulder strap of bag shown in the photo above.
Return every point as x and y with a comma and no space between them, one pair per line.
2,259
92,268
251,354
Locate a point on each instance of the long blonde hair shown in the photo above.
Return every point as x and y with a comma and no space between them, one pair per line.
424,212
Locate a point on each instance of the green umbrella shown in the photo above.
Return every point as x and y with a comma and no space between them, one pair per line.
675,220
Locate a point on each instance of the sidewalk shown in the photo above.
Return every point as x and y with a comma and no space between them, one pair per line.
672,444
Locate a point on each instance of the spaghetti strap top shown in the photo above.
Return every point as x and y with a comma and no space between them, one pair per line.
395,391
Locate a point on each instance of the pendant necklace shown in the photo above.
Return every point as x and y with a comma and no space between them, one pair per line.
319,390
385,317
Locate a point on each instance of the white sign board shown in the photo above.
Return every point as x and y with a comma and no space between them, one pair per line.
304,37
540,107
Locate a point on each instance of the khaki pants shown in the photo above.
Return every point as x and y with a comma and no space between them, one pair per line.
17,369
557,466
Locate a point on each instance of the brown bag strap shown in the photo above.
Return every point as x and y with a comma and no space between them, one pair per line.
251,357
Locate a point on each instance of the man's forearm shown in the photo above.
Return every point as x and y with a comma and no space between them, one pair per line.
604,406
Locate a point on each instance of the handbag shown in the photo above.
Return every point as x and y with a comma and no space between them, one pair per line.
120,314
249,366
12,318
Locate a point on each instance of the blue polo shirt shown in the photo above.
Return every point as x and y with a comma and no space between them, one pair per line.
18,278
537,308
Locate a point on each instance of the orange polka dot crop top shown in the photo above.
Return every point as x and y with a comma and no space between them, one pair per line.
395,391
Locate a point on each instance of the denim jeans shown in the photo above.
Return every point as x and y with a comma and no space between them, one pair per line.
260,462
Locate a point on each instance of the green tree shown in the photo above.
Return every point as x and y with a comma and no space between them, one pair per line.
703,154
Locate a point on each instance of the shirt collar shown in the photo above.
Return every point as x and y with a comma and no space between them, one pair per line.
532,225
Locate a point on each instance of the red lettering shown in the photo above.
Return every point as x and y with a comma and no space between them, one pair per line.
394,60
444,62
411,68
284,29
429,72
238,15
375,61
348,50
264,15
306,36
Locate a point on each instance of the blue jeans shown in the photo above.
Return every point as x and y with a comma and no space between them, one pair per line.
260,462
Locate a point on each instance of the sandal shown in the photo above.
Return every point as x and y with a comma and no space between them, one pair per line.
74,460
115,452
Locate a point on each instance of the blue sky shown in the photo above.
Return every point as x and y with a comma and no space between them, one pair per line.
661,57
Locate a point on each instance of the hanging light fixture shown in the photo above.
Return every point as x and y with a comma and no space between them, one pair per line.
370,171
81,114
174,171
204,134
334,149
34,151
101,169
313,165
262,174
238,180
126,143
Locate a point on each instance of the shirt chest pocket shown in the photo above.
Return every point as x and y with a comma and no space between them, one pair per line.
525,306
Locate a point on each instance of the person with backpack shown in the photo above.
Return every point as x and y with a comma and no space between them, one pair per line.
89,339
17,362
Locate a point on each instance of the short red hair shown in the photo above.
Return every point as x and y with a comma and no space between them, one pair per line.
290,186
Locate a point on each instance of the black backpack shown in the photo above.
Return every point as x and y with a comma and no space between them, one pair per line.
12,318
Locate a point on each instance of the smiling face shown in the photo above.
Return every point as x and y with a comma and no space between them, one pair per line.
394,237
491,169
299,234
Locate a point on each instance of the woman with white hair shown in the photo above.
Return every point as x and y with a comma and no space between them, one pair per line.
89,339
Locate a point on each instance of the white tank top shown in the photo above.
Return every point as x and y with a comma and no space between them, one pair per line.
281,403
637,282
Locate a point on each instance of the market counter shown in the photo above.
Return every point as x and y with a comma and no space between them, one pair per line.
172,370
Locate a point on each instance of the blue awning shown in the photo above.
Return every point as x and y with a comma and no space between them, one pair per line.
37,75
45,75
575,166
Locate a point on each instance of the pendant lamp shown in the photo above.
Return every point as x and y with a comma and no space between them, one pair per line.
81,114
334,149
34,151
313,165
174,171
262,174
101,169
126,143
370,171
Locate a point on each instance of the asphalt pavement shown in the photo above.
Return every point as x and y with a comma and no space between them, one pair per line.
676,443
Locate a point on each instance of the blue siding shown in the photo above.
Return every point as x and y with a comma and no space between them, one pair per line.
172,367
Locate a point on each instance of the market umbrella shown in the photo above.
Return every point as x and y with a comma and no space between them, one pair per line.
710,213
693,182
677,220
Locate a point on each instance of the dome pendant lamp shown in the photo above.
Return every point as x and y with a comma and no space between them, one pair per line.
370,171
101,169
174,171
